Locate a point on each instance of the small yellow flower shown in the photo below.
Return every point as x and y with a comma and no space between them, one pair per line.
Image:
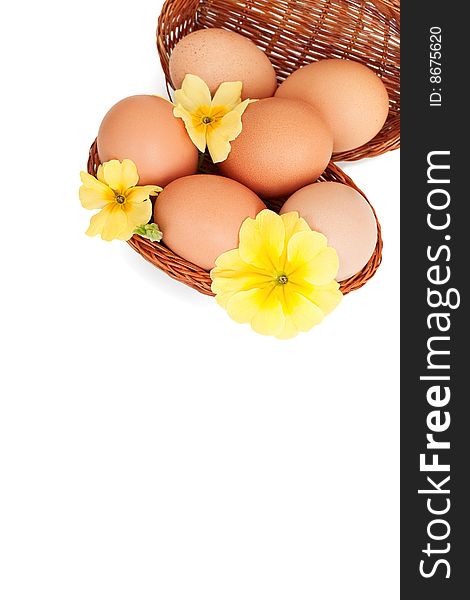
281,277
212,122
124,205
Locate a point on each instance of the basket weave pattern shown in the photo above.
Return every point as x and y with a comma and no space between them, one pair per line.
294,34
199,279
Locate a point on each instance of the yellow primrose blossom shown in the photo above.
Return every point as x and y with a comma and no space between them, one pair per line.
281,277
124,205
212,122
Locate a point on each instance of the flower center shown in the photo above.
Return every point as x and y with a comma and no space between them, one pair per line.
282,279
207,120
120,199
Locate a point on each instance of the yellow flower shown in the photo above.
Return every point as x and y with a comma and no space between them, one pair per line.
124,205
281,277
212,122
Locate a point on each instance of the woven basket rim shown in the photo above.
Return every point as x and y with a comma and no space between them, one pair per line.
180,17
162,257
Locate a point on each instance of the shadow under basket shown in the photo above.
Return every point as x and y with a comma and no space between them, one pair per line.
186,272
293,34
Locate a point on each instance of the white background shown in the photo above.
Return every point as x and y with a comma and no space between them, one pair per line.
150,448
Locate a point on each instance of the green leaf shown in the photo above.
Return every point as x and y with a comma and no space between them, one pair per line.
150,231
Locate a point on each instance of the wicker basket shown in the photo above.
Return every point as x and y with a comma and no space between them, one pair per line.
294,33
182,270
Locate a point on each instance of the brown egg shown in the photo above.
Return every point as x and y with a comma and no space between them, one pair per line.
349,95
217,55
200,216
344,216
283,146
143,129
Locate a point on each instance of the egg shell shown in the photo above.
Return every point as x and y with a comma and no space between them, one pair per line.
344,216
200,216
143,129
351,98
217,55
284,145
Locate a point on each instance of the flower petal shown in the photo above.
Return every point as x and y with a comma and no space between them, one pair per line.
100,174
228,281
91,199
222,299
115,224
262,241
194,93
126,234
303,247
110,222
129,175
321,270
93,193
191,107
294,224
219,138
228,95
244,305
112,174
138,213
90,181
272,230
231,125
303,313
289,331
97,222
326,297
269,320
240,108
197,134
230,260
251,247
232,275
218,145
139,194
